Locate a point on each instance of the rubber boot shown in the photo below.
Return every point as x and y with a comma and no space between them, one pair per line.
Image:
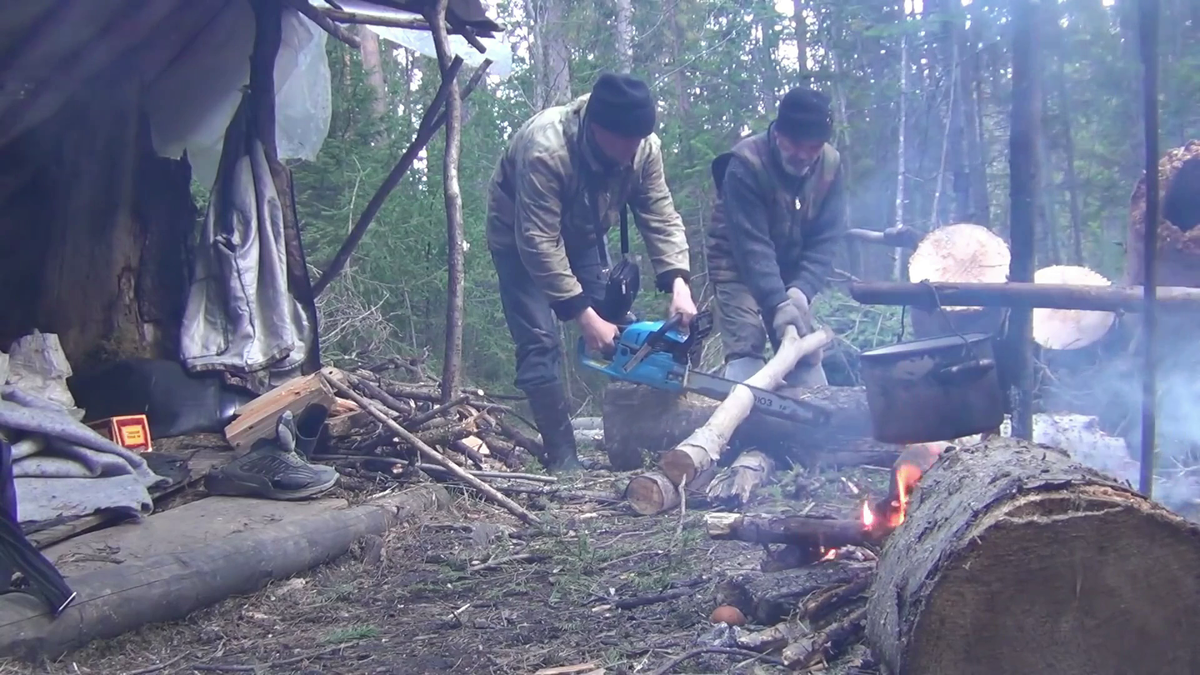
552,415
309,424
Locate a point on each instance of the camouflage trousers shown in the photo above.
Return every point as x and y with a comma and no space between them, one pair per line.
744,338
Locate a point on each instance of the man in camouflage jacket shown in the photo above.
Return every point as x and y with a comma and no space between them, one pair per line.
775,231
557,190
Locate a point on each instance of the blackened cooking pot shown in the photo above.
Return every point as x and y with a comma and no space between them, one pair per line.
936,389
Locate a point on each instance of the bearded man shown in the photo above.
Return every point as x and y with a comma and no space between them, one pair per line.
774,234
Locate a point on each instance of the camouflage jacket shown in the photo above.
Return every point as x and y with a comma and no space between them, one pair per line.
547,195
771,231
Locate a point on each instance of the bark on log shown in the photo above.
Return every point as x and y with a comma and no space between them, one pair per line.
766,598
639,418
703,448
1014,559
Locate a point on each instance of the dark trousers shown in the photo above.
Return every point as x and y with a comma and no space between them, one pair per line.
530,320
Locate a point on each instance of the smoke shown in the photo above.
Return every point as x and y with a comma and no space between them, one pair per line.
1106,382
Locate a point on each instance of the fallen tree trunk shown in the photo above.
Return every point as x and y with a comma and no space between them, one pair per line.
1014,559
703,448
641,419
167,587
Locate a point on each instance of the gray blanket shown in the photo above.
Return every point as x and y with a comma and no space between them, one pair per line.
62,468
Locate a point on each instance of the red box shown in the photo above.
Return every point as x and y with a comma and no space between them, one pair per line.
128,431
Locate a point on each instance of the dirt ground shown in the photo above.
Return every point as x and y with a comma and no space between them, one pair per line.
470,590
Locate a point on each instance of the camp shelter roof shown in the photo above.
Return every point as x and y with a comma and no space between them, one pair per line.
50,49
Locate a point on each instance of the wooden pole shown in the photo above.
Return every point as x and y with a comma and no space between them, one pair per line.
1148,18
431,455
1050,296
455,276
1023,194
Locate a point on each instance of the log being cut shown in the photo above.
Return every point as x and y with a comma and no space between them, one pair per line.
1013,559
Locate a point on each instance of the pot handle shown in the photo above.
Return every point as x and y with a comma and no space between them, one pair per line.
964,373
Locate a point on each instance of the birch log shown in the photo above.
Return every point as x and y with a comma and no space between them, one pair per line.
703,448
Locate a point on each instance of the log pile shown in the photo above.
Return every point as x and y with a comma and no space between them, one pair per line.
1002,557
379,425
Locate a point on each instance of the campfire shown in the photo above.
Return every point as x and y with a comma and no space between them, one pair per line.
888,513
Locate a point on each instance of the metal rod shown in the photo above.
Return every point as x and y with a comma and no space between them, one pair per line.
1148,18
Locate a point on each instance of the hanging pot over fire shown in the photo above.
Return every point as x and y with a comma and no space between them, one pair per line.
935,389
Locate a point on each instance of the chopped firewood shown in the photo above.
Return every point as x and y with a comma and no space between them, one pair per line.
733,486
818,535
1070,328
1011,556
822,605
342,407
257,418
768,598
578,669
703,448
435,457
827,644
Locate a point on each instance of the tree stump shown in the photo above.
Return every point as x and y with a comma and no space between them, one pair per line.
641,419
1013,559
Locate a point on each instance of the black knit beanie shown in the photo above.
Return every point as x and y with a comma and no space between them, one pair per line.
804,115
623,105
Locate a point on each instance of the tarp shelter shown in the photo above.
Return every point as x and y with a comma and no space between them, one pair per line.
109,110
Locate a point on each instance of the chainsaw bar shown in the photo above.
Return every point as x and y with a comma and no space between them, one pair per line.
766,402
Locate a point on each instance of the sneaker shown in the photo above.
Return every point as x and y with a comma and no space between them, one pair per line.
272,470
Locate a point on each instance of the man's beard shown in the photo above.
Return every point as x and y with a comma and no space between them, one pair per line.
798,169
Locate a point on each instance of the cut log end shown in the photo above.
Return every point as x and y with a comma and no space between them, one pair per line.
651,493
1051,570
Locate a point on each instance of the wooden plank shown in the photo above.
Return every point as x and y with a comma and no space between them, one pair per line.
1013,294
257,418
197,555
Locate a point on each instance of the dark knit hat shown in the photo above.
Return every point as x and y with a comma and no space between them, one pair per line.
804,115
623,105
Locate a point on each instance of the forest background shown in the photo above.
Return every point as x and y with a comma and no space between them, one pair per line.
922,98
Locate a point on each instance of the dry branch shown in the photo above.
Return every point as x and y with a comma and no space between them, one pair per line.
316,16
432,455
1012,557
703,448
809,532
825,645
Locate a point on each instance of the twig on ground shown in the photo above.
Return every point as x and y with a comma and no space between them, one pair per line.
270,664
520,557
162,666
731,651
643,600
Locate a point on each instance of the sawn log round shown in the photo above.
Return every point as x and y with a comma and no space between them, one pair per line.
1016,560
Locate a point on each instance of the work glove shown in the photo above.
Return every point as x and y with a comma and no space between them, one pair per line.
793,312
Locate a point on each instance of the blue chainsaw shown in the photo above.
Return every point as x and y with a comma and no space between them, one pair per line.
658,354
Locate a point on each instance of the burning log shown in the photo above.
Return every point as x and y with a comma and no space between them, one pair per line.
1012,558
641,419
813,536
704,446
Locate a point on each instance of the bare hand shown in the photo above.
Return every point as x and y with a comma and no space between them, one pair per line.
681,302
598,334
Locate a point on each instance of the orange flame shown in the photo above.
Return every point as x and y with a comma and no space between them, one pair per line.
829,555
868,516
907,476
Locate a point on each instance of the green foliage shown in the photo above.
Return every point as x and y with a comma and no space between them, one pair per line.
718,67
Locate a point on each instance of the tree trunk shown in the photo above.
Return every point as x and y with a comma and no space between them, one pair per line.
1023,193
1015,559
981,210
624,29
558,53
901,151
368,51
801,24
452,363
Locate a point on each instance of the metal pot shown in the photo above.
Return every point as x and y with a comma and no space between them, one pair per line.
936,389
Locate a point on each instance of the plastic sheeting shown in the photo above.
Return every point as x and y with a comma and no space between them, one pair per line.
191,104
